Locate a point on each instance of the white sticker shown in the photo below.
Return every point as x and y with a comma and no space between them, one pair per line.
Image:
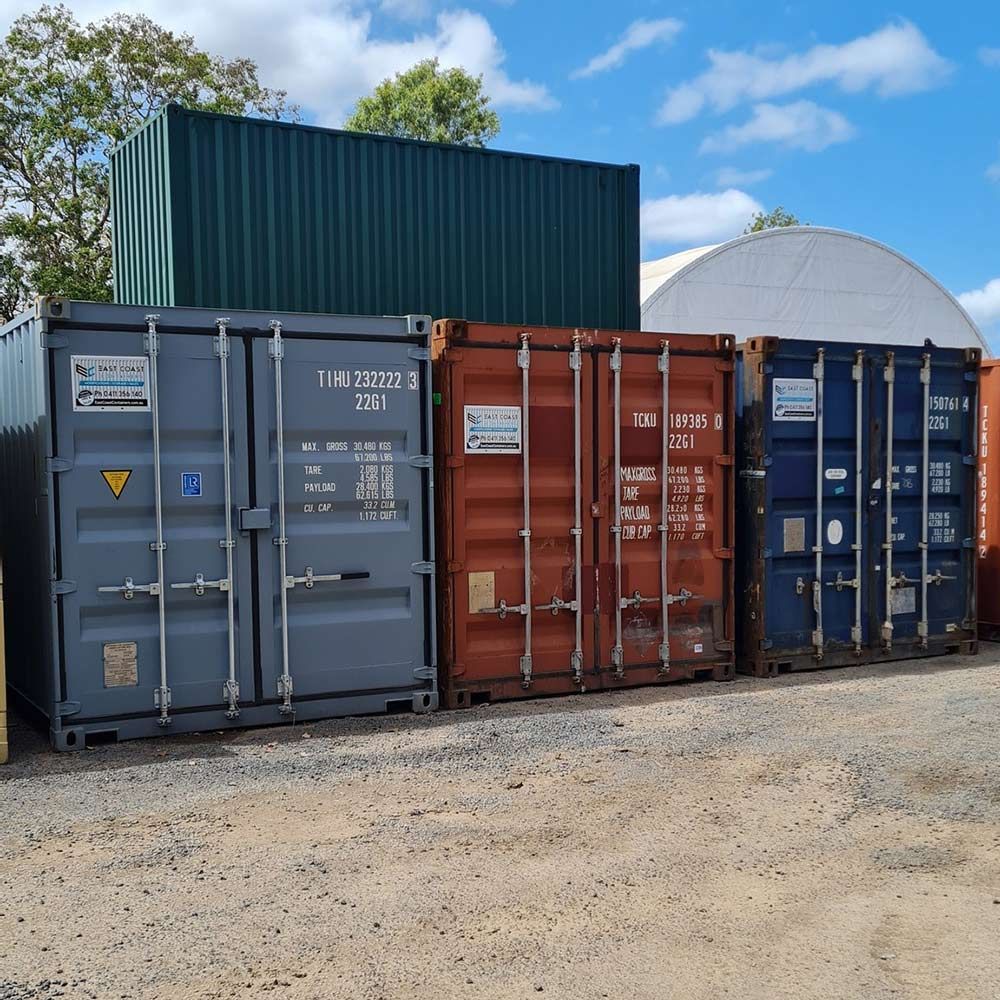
110,384
903,601
699,647
794,399
836,474
835,532
493,430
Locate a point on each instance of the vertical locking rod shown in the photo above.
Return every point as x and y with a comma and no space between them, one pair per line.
618,652
524,363
819,375
576,365
890,381
663,365
231,693
277,352
925,380
857,373
162,695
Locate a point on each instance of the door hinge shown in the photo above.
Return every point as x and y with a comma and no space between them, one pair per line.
724,645
425,673
53,464
454,462
455,567
766,643
423,568
67,708
421,461
419,354
723,553
969,460
60,587
53,341
724,460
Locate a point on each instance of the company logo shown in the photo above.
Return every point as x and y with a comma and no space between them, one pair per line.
84,372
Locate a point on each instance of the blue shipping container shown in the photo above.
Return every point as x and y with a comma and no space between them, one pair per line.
211,522
835,567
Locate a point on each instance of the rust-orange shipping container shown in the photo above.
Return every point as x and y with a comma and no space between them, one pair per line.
988,501
565,565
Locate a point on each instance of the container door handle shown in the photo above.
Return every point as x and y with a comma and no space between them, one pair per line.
857,373
617,652
524,363
199,585
890,381
311,579
231,689
663,366
276,352
129,589
819,371
576,605
161,697
925,382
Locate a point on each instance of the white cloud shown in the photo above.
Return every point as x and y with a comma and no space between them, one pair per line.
323,52
638,35
983,304
989,57
800,125
697,218
410,10
734,177
993,171
895,59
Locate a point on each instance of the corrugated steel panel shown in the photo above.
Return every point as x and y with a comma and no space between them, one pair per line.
498,560
227,212
296,549
988,505
835,567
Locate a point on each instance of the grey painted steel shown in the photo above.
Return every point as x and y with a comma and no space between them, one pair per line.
617,651
524,363
361,642
890,582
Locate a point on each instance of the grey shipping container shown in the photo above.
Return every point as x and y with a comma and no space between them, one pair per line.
208,523
241,213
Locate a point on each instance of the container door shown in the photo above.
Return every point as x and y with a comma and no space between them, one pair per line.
926,403
522,613
665,595
150,630
341,472
817,500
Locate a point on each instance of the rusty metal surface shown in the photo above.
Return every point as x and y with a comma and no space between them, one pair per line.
988,501
480,512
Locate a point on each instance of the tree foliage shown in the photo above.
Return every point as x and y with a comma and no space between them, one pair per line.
777,219
427,102
68,94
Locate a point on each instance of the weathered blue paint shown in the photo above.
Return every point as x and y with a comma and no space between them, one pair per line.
777,505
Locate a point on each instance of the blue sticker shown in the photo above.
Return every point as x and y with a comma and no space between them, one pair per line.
190,484
838,490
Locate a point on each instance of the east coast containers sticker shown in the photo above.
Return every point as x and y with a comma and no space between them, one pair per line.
493,430
110,384
794,399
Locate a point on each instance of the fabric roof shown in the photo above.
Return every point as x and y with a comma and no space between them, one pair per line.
807,283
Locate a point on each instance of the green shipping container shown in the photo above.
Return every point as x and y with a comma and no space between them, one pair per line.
239,213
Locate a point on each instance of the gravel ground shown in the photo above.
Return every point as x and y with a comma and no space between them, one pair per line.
825,835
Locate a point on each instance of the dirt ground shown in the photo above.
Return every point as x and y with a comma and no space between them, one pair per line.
825,835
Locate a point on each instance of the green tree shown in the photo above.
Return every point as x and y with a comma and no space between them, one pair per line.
68,94
427,102
777,219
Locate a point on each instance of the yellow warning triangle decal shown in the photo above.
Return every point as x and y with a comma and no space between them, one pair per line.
116,479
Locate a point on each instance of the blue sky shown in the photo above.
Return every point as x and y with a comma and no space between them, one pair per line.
882,119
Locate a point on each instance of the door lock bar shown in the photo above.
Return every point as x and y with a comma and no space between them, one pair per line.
311,578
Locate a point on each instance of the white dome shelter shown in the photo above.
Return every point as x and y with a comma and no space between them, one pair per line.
805,283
